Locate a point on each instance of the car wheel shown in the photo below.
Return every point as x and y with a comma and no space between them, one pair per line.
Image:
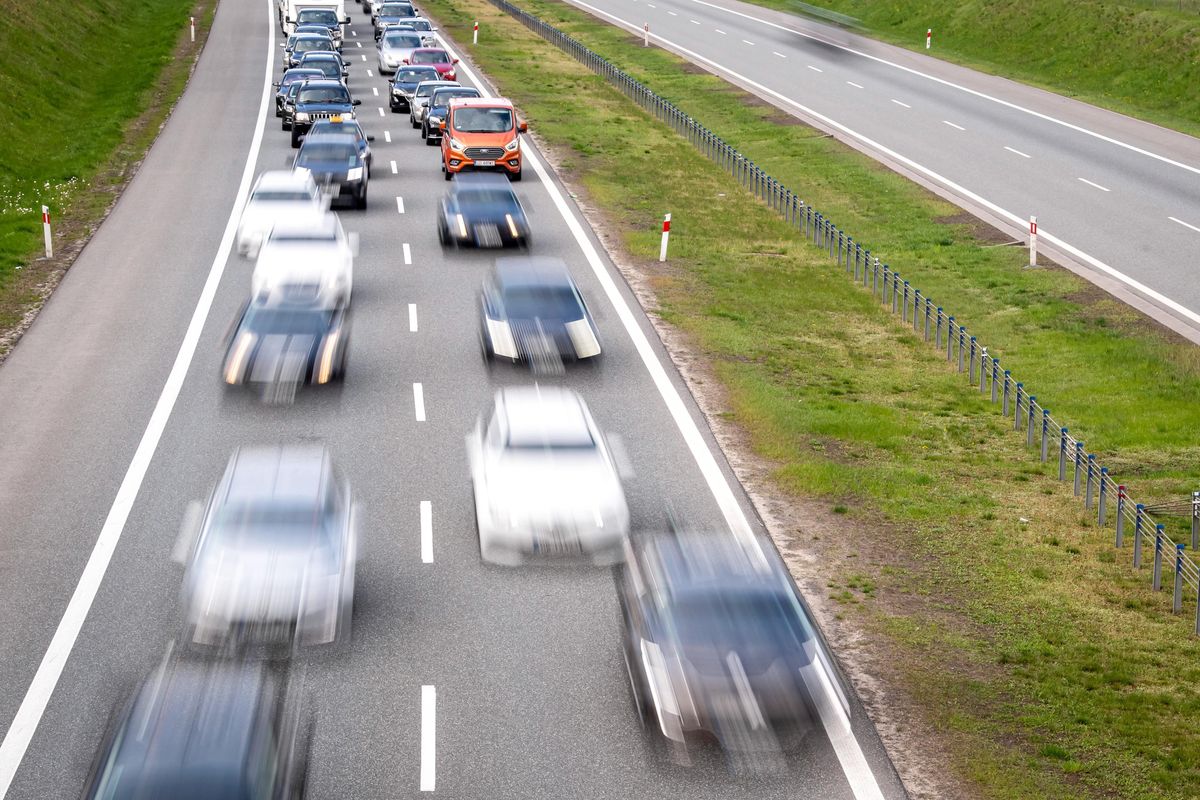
515,176
295,137
447,173
443,239
361,201
640,706
285,125
430,141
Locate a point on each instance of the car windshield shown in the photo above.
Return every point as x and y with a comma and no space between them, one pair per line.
265,320
738,619
291,77
443,96
483,120
397,10
281,196
421,25
490,197
294,90
327,152
401,39
543,302
425,91
262,525
305,45
323,16
551,437
328,68
415,74
325,94
430,57
170,781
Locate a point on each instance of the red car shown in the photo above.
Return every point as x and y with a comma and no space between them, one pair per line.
437,58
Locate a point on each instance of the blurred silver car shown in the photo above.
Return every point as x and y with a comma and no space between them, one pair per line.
270,561
277,195
545,482
395,48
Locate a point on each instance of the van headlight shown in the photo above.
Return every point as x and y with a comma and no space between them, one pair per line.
455,144
512,146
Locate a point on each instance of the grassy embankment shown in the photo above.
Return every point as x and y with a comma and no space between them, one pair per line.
1048,665
1138,57
84,92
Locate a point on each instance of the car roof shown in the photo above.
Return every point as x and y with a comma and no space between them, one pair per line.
324,82
322,55
459,87
431,50
708,561
309,36
348,139
532,412
284,179
532,271
438,83
344,122
317,221
276,474
302,71
481,102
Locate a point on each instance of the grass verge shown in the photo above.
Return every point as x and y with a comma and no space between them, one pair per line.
1137,57
1046,664
82,130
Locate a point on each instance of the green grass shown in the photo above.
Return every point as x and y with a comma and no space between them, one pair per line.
1133,56
1047,664
83,101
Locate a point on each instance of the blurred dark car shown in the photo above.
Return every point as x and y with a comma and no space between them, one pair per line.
280,342
205,731
389,13
348,126
290,77
288,110
332,65
270,561
307,43
435,110
404,84
482,209
719,642
531,312
337,165
319,100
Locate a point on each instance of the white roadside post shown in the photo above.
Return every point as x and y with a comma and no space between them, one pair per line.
928,38
475,34
192,22
662,250
46,231
1032,241
646,35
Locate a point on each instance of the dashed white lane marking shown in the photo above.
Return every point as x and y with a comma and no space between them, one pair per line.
652,5
419,401
368,73
855,85
375,91
694,21
776,52
407,251
354,33
399,205
387,136
428,738
952,125
1184,224
381,111
427,531
1018,152
814,69
394,170
364,58
747,41
359,44
718,30
672,13
897,102
412,317
1096,185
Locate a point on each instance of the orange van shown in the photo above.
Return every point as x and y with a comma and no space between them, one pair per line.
482,133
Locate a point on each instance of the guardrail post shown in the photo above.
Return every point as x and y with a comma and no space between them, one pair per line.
830,229
1197,608
1091,467
1139,515
904,302
916,306
874,272
971,362
983,360
1078,465
962,346
1195,522
896,290
1004,401
1045,434
1156,577
1177,600
1101,503
928,315
1029,420
1120,540
949,337
937,329
1017,407
1062,454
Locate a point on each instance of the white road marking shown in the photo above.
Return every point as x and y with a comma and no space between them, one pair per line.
1018,152
1184,224
412,317
394,170
375,91
952,125
776,52
364,58
855,85
407,251
652,5
897,102
951,84
399,204
387,136
1095,185
849,752
672,13
694,21
381,111
718,30
419,401
33,705
747,41
354,33
814,69
1132,283
359,44
426,531
428,738
368,73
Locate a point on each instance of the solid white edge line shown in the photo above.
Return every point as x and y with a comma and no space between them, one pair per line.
428,738
419,402
399,205
849,753
1067,247
961,88
412,317
1018,152
952,125
1184,224
1096,185
427,531
37,696
407,253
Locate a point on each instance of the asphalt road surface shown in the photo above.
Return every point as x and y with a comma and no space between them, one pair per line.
114,417
1116,199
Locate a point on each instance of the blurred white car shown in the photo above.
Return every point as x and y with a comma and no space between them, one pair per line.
308,258
545,482
276,195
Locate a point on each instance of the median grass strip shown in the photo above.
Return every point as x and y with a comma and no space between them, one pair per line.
996,609
1137,57
83,104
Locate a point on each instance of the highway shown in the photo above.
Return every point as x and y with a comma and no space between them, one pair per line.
1117,200
462,679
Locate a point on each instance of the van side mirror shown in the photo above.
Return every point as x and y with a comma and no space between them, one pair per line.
358,102
454,61
442,125
522,126
370,137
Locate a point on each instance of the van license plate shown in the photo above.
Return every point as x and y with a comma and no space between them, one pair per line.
485,163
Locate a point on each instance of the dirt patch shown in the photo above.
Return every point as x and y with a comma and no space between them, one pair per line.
980,231
32,283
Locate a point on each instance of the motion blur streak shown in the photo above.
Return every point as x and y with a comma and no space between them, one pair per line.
33,705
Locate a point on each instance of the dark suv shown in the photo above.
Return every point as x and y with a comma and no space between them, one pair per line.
320,100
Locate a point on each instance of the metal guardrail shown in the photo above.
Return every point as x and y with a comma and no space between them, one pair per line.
1042,432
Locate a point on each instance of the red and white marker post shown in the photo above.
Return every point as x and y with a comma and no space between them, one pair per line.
475,34
192,22
928,38
1033,241
46,232
646,35
662,250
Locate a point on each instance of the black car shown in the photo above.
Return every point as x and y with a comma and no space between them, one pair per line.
336,162
718,643
349,126
532,312
435,114
288,111
482,209
290,77
308,43
319,100
325,17
404,83
280,342
331,65
206,729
